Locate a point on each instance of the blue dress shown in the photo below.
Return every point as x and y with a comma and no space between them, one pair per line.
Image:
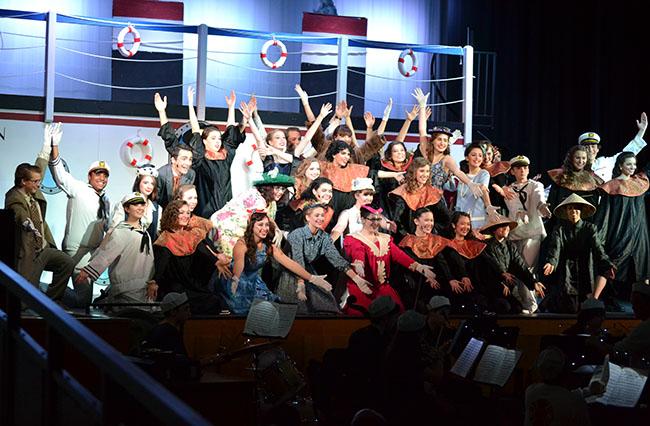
250,286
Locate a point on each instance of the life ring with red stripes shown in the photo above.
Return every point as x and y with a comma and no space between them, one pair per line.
145,148
402,60
283,54
127,53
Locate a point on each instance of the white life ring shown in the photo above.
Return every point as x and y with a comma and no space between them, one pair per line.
145,147
401,61
283,54
127,53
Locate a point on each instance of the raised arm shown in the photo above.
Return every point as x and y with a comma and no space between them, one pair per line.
348,123
304,99
62,177
230,102
370,124
410,116
161,106
421,98
194,121
324,111
252,104
384,120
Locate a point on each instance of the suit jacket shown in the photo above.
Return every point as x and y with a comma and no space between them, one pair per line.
166,183
16,201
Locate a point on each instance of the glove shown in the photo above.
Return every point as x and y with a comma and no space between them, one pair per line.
388,109
544,210
476,189
57,134
277,238
363,285
319,281
234,282
46,150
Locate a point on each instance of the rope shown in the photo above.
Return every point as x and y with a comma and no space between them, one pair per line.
69,77
123,59
22,16
23,35
271,97
22,74
406,105
21,48
439,80
272,71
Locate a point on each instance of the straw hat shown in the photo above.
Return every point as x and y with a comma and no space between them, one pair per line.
587,208
491,225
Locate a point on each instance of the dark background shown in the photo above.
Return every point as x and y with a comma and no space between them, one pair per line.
563,68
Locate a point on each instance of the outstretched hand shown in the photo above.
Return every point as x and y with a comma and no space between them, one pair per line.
159,103
369,119
419,96
642,124
230,100
325,109
413,114
190,95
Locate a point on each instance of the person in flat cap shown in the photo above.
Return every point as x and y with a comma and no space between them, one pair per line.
87,213
636,346
232,219
510,283
128,254
527,208
603,166
590,319
575,255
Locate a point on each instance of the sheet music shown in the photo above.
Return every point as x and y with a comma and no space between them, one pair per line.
467,358
270,319
624,387
496,365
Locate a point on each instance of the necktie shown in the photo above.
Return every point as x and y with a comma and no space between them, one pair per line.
523,195
101,210
35,215
176,184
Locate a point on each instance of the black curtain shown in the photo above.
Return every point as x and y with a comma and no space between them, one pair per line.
563,68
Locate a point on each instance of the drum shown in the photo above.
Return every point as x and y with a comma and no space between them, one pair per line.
278,378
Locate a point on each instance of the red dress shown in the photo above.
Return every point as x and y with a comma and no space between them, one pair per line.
376,259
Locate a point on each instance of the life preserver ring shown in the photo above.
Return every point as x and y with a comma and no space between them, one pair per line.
401,61
127,53
283,54
145,147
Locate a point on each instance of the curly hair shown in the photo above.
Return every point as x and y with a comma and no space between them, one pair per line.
136,186
388,153
169,220
616,171
447,150
569,174
336,147
410,178
249,237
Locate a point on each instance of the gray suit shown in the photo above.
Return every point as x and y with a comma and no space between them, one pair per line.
166,183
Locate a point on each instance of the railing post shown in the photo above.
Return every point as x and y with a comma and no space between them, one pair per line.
468,92
342,72
55,347
8,358
201,71
50,65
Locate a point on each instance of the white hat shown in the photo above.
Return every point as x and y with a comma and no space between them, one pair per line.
134,198
99,165
520,160
173,301
147,170
588,138
359,184
438,302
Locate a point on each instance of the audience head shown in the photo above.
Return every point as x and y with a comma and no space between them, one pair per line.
187,193
591,314
440,139
625,164
175,216
211,137
551,363
338,153
176,307
411,322
418,174
320,190
98,173
277,139
641,299
396,153
146,183
439,305
368,417
181,159
28,177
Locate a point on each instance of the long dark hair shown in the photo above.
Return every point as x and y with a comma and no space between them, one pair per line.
455,217
388,153
616,171
336,147
136,186
308,194
249,237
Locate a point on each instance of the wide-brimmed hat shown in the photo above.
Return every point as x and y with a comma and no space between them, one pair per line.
273,178
441,129
520,160
359,184
173,301
100,165
589,138
491,225
585,206
134,198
